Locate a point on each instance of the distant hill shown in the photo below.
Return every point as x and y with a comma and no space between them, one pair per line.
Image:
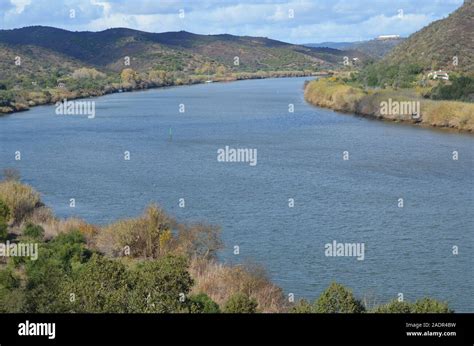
435,46
333,45
171,51
374,48
41,64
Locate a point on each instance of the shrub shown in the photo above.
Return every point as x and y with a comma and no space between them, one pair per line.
241,303
11,294
337,299
21,199
4,217
461,88
160,285
141,234
220,282
48,277
199,240
33,231
302,307
425,305
429,305
394,306
201,303
4,212
3,231
101,285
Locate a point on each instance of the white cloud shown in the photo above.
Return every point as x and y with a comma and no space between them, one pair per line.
20,5
315,20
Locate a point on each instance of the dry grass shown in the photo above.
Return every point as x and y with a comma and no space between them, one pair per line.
142,235
330,93
220,282
22,199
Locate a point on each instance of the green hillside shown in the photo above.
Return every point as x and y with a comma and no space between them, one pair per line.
446,45
435,46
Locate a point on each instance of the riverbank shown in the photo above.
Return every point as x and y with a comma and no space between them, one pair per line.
402,105
26,99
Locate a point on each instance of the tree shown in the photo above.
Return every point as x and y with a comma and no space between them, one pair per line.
11,294
429,305
337,299
160,285
394,306
49,276
240,303
99,286
202,303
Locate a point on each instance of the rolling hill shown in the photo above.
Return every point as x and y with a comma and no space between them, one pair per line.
374,48
435,46
172,51
41,64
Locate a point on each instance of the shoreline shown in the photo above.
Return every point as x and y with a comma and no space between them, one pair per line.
108,90
446,116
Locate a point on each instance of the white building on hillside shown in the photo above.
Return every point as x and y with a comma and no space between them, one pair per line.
439,75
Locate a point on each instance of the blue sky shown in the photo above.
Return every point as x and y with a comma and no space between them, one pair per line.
296,21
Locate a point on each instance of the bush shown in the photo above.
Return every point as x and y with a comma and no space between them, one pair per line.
4,217
337,299
393,307
201,303
33,231
4,212
21,199
425,305
3,231
141,234
199,240
160,285
302,307
429,305
101,285
48,277
11,294
461,88
240,303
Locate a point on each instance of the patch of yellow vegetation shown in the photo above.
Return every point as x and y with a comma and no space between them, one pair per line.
335,94
332,94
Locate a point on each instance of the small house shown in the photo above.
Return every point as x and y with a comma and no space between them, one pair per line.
439,75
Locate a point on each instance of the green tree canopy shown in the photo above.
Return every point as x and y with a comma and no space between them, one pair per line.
337,299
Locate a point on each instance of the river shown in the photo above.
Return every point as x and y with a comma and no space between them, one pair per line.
173,155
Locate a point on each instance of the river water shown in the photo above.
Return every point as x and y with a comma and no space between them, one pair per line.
173,155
